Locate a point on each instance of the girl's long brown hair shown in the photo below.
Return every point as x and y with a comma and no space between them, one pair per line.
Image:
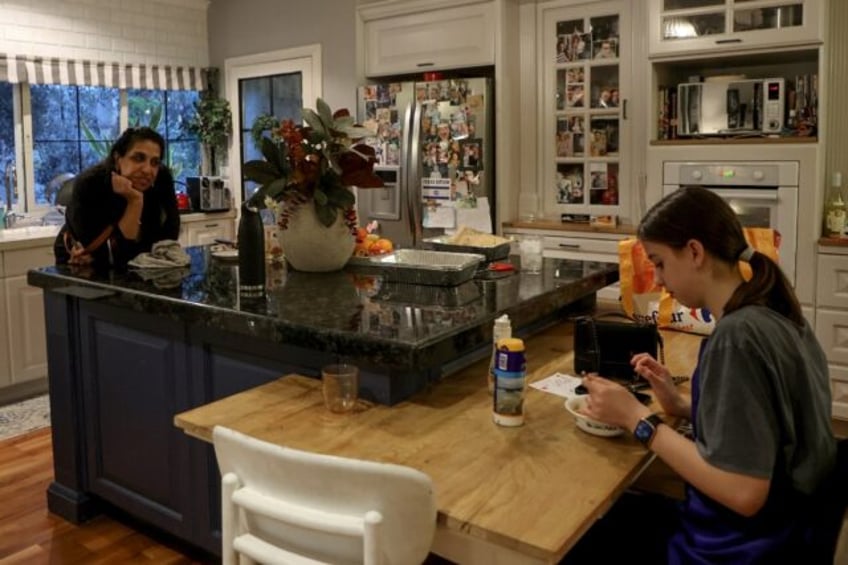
697,213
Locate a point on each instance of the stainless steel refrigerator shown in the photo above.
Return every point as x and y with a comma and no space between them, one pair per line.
434,143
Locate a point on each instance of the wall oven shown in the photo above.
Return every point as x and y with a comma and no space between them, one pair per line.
762,193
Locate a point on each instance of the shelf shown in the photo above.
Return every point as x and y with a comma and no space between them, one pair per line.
740,141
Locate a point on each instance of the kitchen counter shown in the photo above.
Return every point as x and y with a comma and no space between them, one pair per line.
126,354
28,236
402,335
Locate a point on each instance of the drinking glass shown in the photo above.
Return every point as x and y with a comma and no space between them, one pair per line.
340,385
530,251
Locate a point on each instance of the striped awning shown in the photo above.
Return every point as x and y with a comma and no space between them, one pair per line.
39,70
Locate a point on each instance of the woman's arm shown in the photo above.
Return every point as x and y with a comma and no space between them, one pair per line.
130,221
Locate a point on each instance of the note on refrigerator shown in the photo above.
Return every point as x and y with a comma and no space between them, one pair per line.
439,216
478,218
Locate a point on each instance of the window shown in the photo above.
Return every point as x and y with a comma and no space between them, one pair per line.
73,127
279,96
168,111
7,138
278,83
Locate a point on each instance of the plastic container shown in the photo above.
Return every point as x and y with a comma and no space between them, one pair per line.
510,378
502,329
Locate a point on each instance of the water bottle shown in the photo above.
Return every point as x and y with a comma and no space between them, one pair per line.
508,399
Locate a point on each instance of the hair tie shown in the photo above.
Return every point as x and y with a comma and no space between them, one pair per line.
746,254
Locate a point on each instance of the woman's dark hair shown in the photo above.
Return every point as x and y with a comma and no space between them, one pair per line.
697,213
130,137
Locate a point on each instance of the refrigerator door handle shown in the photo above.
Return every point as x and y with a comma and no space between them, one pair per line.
413,175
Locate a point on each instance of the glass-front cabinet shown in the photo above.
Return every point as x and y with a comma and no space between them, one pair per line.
678,26
586,64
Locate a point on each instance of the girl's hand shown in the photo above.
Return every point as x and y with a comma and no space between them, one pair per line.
611,403
123,186
659,377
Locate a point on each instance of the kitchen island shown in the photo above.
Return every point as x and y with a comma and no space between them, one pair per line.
127,351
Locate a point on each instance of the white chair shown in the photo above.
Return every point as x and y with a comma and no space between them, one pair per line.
283,505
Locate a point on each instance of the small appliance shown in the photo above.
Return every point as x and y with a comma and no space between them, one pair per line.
209,194
726,107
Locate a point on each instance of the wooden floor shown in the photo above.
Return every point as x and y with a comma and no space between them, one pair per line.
29,534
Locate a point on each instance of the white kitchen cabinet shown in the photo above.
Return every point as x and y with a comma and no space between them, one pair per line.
23,315
202,229
687,27
586,65
5,364
414,37
832,321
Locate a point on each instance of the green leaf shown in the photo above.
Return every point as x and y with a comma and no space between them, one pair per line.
261,172
356,132
155,116
324,113
320,197
314,121
341,197
326,214
339,124
274,154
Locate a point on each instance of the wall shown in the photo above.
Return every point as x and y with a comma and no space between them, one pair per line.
836,109
246,27
161,32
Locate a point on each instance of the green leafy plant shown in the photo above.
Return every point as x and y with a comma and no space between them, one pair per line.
211,124
318,163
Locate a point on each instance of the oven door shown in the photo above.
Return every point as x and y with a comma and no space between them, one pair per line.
768,208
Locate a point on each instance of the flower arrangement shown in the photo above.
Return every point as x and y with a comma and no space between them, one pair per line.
317,163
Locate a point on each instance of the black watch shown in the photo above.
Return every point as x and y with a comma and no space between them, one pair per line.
647,428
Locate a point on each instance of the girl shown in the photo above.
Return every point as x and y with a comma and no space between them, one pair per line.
760,404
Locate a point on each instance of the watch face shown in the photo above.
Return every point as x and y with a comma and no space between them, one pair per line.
644,431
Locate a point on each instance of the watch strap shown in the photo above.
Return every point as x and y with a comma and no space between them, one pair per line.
649,423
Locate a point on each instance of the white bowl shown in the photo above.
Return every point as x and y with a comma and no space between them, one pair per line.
575,405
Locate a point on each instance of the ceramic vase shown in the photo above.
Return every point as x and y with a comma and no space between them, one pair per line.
312,247
251,246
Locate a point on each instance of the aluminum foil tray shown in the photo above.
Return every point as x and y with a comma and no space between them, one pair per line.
423,266
428,295
496,253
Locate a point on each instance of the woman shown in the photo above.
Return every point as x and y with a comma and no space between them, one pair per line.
121,206
760,403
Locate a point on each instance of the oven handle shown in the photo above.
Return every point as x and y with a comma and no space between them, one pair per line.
768,195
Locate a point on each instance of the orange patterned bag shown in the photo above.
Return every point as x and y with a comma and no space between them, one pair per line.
645,301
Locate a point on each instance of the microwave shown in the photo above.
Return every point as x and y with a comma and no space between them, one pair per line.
209,194
731,107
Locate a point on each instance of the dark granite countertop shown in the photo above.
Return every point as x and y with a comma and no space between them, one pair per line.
350,313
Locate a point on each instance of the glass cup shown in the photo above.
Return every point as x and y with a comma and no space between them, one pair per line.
530,251
528,207
340,385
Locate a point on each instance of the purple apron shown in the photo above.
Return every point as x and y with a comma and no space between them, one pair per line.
710,533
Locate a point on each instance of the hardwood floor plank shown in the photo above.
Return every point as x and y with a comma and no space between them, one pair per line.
29,534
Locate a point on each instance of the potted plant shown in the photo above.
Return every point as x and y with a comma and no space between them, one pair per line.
307,177
211,124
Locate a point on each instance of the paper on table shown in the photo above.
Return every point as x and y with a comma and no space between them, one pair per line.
560,384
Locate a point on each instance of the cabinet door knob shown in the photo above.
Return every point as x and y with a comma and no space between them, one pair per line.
570,245
725,41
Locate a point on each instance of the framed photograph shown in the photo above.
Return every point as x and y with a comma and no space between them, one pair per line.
471,157
569,184
610,128
605,49
598,143
574,95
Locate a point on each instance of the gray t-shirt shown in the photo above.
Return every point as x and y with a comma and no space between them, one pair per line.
764,391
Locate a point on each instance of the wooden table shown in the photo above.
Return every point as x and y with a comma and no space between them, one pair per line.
505,495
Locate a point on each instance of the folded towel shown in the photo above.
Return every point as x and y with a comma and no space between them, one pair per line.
165,253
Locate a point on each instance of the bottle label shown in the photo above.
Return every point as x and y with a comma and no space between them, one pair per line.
509,382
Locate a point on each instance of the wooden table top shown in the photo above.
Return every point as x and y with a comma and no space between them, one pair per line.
534,489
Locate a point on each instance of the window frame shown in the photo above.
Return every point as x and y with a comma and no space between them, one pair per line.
23,151
305,60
